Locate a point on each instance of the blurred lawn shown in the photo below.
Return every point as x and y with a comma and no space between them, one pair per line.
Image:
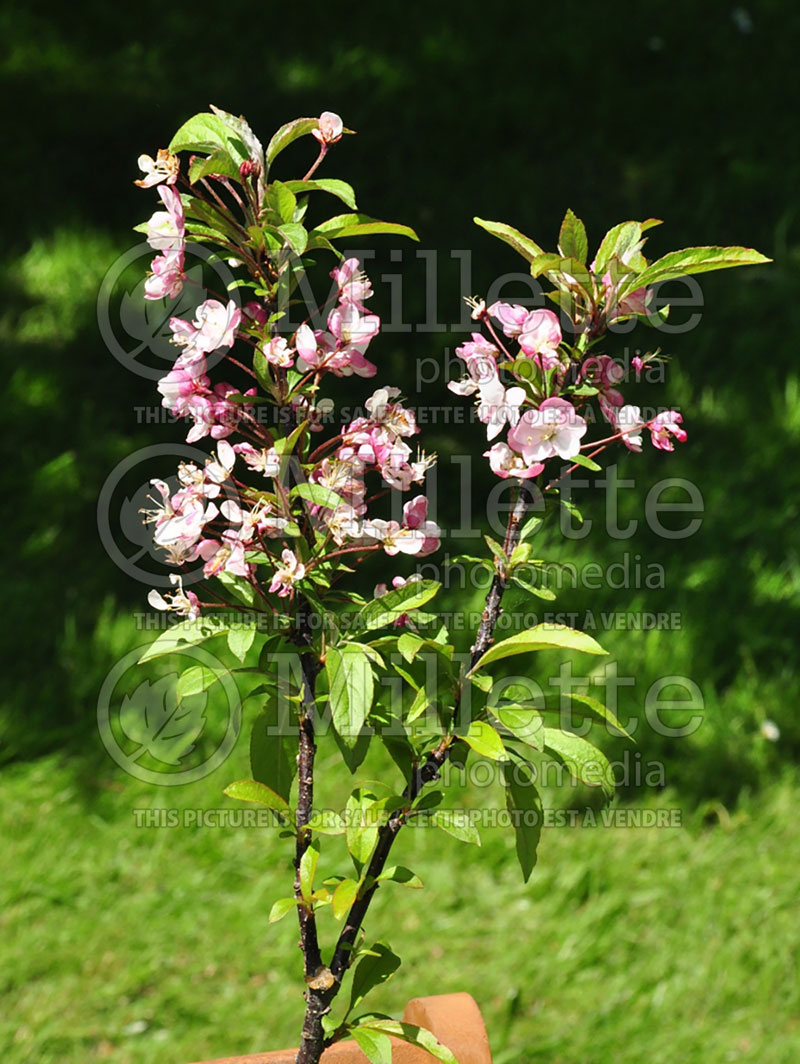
637,945
142,945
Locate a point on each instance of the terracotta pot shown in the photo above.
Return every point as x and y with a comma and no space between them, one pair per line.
455,1019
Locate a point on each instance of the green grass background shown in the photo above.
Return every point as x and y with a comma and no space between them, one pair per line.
659,945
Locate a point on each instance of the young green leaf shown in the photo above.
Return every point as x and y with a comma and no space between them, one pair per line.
694,260
386,609
526,247
341,189
600,711
456,822
408,1032
525,723
343,898
186,634
371,971
375,1045
344,225
583,760
572,242
351,689
252,791
280,908
196,679
399,874
542,637
525,809
240,639
273,749
485,741
287,134
308,869
318,495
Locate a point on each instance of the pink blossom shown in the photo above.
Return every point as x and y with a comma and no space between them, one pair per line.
354,285
287,574
665,426
511,316
216,324
278,352
496,404
226,556
351,327
255,312
541,335
638,366
267,462
604,373
330,128
636,302
554,429
166,229
630,422
505,463
183,603
481,358
343,523
182,384
415,517
166,280
180,518
163,168
394,417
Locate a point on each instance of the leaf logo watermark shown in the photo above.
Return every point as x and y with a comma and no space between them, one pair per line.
158,737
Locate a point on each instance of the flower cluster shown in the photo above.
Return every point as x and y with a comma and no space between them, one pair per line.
551,384
214,517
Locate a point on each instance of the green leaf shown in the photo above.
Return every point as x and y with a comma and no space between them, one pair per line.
280,198
252,791
280,908
186,634
526,247
400,874
386,609
408,644
240,639
341,189
525,723
295,236
318,495
525,808
587,463
344,225
540,592
238,586
208,133
456,822
542,637
273,756
288,133
219,162
572,240
620,242
371,971
375,1045
409,1032
362,829
485,741
195,680
308,869
694,260
343,898
601,711
351,689
326,823
583,760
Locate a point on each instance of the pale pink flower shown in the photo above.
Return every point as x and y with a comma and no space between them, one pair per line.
166,229
163,168
166,280
330,128
287,574
343,523
255,312
480,357
505,463
180,518
630,422
351,327
354,285
278,352
393,417
227,556
554,429
665,426
183,603
540,335
415,517
604,373
182,384
216,324
265,461
511,316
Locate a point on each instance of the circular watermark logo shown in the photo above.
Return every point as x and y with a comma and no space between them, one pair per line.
136,330
157,737
127,491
